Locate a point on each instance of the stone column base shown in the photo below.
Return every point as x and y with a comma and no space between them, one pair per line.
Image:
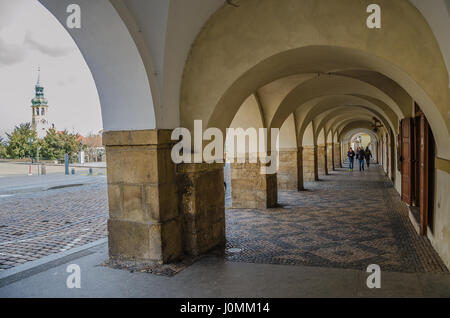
322,160
310,171
250,189
144,222
290,170
202,205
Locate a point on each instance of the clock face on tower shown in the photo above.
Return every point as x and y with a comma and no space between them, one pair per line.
43,121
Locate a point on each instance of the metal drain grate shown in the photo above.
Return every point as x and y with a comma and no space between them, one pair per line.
234,250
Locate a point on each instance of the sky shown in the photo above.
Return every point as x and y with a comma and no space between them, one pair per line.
30,37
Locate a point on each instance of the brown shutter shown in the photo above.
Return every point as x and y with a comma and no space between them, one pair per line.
406,160
387,155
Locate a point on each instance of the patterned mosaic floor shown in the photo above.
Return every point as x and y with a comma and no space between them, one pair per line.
346,220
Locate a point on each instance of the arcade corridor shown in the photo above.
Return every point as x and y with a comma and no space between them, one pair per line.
185,86
345,220
318,243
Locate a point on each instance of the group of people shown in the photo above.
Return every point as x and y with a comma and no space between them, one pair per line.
360,155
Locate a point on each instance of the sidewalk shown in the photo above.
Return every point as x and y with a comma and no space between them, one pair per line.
213,277
9,169
18,184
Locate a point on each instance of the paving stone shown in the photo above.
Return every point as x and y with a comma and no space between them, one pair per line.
345,220
48,221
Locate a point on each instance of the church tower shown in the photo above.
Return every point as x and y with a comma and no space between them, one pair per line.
39,107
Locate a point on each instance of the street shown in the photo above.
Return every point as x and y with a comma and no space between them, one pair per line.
42,215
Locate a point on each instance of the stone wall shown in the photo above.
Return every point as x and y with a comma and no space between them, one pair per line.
310,172
439,229
251,189
290,171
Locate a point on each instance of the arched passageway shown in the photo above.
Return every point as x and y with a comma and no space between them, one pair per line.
282,65
347,220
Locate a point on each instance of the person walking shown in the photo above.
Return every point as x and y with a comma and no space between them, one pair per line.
360,155
351,158
368,154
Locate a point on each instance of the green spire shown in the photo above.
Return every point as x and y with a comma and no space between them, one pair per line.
39,75
39,95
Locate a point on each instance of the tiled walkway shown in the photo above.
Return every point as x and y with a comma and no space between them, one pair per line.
346,220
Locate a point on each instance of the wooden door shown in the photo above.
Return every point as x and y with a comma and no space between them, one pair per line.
423,163
406,160
416,160
399,152
387,156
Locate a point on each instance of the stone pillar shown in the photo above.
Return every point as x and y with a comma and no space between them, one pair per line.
290,171
310,171
337,156
300,186
250,189
144,221
378,152
330,156
344,152
322,160
202,206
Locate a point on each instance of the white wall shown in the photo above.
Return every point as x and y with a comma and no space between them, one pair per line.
116,66
437,14
440,239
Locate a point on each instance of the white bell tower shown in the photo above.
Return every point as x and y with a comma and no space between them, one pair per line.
39,108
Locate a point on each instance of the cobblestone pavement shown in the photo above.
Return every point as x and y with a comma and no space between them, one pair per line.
346,220
40,223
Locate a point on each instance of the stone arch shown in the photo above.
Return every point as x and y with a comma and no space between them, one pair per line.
257,63
330,85
248,185
349,135
309,150
334,116
290,172
120,74
249,115
288,134
313,108
389,143
341,121
374,137
354,125
321,146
